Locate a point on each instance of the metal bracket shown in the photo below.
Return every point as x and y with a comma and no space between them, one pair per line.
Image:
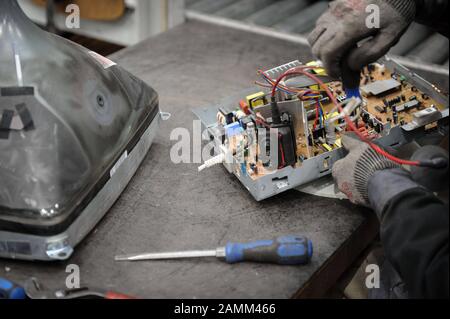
59,250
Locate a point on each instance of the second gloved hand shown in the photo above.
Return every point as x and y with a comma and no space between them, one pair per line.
353,173
337,33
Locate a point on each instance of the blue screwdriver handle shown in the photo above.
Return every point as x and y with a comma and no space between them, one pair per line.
9,290
286,250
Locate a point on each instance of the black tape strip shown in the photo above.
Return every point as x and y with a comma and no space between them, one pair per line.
25,116
17,91
5,124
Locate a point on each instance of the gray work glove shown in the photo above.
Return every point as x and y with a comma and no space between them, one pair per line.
339,30
353,173
386,184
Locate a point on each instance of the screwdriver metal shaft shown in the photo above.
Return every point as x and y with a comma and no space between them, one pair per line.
219,253
286,250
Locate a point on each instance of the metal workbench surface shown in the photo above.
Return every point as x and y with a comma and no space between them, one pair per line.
172,207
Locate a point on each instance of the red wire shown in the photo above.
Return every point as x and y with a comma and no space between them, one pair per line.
283,160
351,125
288,73
317,117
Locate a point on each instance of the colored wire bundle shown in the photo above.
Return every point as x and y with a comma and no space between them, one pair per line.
303,70
302,94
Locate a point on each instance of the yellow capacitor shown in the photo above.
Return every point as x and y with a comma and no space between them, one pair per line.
327,147
257,99
319,70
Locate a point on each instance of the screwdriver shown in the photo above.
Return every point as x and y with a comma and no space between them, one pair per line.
285,250
350,81
9,290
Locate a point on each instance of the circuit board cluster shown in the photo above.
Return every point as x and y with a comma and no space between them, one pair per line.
306,112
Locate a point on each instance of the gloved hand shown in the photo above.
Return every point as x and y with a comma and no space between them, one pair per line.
353,173
337,33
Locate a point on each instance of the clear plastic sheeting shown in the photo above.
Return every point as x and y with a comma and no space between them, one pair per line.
66,117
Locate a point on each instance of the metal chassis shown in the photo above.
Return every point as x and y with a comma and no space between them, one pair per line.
317,167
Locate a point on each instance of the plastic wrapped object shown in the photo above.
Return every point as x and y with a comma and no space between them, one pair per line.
74,127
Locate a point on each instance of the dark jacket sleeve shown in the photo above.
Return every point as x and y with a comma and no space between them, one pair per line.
433,13
414,233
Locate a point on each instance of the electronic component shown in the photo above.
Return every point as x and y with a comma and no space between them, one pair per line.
225,117
426,116
287,148
327,147
257,99
341,98
377,127
307,124
380,109
305,82
392,102
407,106
366,117
316,134
395,115
233,129
244,107
380,87
245,121
319,70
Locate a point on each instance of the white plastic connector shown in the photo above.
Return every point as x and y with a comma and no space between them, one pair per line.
349,108
219,159
224,156
352,105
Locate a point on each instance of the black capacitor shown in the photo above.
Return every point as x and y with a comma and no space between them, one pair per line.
377,127
403,98
315,135
318,133
229,116
395,101
395,116
365,117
